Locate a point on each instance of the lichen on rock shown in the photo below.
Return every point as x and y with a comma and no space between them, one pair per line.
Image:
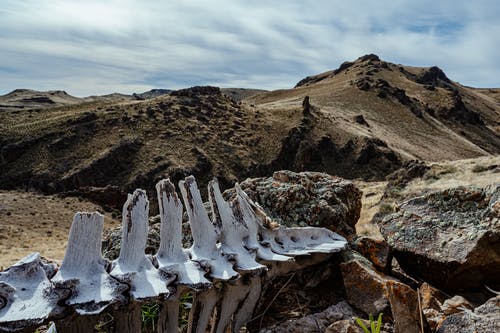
307,198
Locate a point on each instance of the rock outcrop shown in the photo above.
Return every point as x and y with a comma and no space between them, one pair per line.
307,198
449,238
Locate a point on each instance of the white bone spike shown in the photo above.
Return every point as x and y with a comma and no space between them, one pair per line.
132,266
84,269
27,297
233,230
171,257
205,238
253,216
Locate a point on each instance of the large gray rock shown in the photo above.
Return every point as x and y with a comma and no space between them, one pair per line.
449,238
307,198
484,319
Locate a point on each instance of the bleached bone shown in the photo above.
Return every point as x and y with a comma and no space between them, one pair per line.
27,297
253,214
132,266
290,241
205,248
83,269
233,229
171,257
76,323
223,266
301,241
128,319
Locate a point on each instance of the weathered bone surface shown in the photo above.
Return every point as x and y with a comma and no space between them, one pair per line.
27,297
132,267
255,219
83,269
225,268
171,257
205,248
228,219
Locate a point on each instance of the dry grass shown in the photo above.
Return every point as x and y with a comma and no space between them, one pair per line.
481,171
457,173
372,194
32,222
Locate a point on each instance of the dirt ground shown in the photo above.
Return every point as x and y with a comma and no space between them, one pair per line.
32,222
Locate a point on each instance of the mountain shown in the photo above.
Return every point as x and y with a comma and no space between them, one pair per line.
369,115
21,99
153,93
362,120
239,94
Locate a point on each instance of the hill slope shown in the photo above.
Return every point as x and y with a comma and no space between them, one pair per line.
371,108
362,120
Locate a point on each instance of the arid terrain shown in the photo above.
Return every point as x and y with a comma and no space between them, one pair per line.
362,121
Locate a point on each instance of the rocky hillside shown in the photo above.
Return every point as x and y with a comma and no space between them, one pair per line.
373,113
362,120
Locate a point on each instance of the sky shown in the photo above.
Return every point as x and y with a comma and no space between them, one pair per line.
99,47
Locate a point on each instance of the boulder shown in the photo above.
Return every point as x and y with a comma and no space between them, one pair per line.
307,198
484,319
404,308
434,318
344,326
431,297
450,238
373,292
366,288
317,322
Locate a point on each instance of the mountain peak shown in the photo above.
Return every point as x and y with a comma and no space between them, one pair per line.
368,57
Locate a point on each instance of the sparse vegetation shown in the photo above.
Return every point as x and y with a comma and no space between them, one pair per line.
375,326
482,168
386,208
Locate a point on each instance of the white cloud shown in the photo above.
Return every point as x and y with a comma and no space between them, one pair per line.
96,47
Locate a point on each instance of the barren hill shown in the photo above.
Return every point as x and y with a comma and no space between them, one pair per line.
377,113
362,120
24,99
